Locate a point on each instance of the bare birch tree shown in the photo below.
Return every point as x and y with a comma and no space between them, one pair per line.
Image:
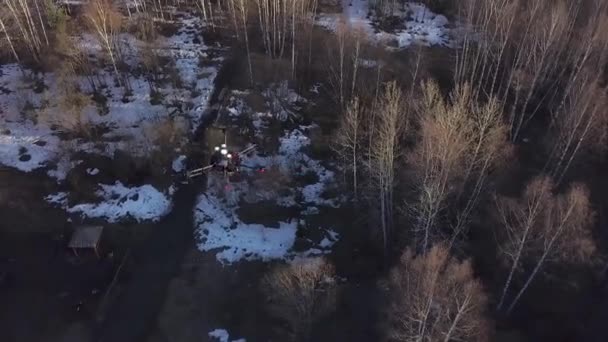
581,118
9,39
106,21
437,161
434,297
539,228
29,25
242,7
391,121
345,54
349,140
486,153
527,53
280,20
301,293
461,141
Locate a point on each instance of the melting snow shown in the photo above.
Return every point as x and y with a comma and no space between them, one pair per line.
63,167
25,147
222,336
330,240
59,198
220,228
92,171
118,202
292,159
29,106
422,26
179,164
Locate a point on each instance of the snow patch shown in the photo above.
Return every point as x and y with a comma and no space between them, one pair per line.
179,164
118,202
25,147
92,171
29,106
63,167
291,159
60,198
422,26
328,241
222,336
218,227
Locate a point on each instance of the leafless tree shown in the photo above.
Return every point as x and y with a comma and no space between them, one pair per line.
487,151
9,39
539,228
301,293
438,160
528,53
31,25
241,21
578,124
460,142
281,19
349,140
345,54
392,119
434,297
106,21
206,9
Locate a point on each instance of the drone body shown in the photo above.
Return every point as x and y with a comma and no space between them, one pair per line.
224,160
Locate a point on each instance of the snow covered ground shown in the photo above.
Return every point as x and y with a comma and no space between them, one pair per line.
31,129
291,159
179,164
422,26
118,202
218,226
30,111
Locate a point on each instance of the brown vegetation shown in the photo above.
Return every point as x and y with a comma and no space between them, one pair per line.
460,141
531,54
434,297
301,294
106,22
542,227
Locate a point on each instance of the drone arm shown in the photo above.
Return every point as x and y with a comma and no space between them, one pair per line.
249,149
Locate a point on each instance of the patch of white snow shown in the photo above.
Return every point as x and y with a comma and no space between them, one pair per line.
218,227
92,171
118,202
222,336
179,164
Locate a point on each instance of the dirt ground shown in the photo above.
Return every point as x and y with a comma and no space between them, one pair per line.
45,290
206,296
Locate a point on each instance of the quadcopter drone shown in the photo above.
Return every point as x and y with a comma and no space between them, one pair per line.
225,161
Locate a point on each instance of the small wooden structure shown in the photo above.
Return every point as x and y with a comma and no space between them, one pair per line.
86,237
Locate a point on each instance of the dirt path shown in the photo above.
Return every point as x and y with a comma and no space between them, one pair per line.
155,262
133,315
